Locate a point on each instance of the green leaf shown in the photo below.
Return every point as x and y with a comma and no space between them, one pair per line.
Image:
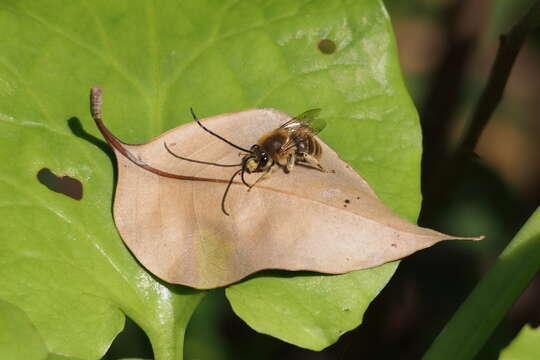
373,126
476,319
61,260
526,345
311,311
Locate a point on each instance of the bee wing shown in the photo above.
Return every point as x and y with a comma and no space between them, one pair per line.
307,120
308,116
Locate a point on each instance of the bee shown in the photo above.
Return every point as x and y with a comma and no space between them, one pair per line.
292,143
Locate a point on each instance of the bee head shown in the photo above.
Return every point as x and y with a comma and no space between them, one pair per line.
257,160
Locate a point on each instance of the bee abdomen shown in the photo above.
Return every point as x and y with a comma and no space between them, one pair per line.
311,146
317,149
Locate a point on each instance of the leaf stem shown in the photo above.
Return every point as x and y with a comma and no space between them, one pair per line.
95,109
167,339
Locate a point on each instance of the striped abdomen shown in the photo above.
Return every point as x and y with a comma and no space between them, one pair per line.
309,145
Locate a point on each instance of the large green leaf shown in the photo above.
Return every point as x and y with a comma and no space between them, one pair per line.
61,260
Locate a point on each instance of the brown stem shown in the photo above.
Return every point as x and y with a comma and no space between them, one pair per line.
509,47
95,109
447,83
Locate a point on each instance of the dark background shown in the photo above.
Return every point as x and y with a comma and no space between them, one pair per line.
446,49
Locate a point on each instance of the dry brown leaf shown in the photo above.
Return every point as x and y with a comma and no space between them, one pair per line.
305,220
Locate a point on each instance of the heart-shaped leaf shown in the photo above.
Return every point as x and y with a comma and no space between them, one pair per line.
308,220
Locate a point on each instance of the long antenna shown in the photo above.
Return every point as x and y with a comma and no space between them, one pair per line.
198,161
227,191
216,135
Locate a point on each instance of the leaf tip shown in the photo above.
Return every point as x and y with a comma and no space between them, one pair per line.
472,238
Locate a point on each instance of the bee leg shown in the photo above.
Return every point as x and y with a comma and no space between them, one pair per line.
313,161
266,173
291,160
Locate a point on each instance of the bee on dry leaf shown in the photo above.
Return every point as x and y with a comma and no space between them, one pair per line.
292,143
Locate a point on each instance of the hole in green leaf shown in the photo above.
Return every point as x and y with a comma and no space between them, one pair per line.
132,342
64,185
326,46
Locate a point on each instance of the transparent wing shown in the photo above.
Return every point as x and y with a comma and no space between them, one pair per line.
307,120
